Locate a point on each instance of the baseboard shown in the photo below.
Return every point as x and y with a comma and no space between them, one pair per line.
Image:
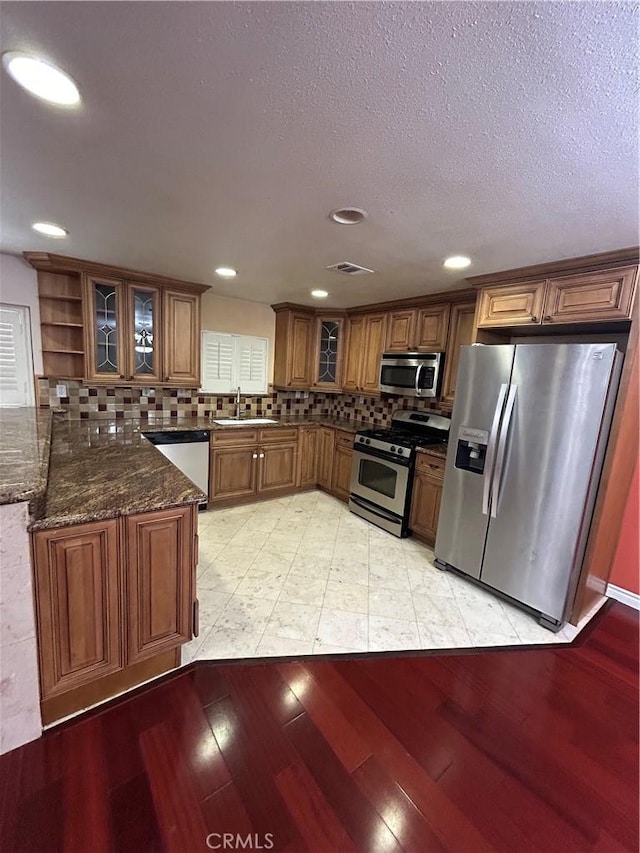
624,595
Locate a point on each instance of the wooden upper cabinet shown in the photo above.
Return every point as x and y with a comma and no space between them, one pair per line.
356,330
461,333
293,345
328,353
144,331
159,575
595,297
374,347
418,329
401,329
181,338
432,327
105,328
365,344
77,591
511,304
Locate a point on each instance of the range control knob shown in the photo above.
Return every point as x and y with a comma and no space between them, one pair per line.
393,450
368,441
400,451
361,438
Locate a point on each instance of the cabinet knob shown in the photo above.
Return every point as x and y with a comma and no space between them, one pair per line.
262,456
548,318
122,376
254,455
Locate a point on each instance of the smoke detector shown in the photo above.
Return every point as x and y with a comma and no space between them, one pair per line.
347,268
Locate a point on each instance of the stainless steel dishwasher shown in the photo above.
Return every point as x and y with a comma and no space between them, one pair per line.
188,450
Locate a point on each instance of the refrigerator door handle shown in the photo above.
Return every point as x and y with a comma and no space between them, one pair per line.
502,448
491,450
418,372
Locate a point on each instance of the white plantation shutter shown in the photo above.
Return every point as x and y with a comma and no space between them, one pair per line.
15,357
218,354
252,364
232,360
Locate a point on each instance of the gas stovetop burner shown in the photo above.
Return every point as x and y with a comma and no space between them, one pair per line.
408,431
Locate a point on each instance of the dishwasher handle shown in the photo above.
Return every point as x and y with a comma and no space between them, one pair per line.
186,436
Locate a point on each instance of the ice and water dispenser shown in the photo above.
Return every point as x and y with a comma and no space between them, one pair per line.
471,449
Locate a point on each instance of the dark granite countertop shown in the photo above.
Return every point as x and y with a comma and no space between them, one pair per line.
103,469
25,435
193,423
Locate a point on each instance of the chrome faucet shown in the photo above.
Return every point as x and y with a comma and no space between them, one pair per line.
238,403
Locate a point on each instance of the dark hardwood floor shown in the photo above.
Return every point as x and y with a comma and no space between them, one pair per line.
516,750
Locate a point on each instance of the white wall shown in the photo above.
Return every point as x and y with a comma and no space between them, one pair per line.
19,286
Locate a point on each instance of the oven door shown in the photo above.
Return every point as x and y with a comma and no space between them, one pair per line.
415,376
382,482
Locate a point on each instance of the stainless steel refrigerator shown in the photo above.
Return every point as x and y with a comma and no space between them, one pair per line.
528,434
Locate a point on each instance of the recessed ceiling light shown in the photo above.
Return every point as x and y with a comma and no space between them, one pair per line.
50,229
319,294
41,78
226,272
348,215
457,262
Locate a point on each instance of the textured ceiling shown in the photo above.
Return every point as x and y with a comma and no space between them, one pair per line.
223,133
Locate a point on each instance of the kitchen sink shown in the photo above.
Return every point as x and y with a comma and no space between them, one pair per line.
244,421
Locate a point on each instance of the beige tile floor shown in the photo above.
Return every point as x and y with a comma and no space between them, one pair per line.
303,575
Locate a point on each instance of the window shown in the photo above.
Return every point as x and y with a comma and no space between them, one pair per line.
16,365
229,361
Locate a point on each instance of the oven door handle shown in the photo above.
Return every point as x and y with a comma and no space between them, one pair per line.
387,516
417,385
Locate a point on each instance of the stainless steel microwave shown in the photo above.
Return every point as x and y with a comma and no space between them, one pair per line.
414,374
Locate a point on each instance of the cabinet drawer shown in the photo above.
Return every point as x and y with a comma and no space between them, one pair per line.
233,436
344,439
276,435
432,465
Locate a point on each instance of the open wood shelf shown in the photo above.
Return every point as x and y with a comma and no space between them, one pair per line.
61,298
66,351
64,325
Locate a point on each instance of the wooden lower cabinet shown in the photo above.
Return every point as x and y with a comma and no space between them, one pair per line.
426,495
268,463
158,582
308,456
341,474
233,472
277,467
110,594
326,444
78,586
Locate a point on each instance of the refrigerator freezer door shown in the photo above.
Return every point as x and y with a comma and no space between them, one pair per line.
483,377
548,467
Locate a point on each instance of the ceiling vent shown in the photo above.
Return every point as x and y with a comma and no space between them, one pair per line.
349,268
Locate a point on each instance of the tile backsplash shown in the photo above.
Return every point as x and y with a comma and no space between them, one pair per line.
158,404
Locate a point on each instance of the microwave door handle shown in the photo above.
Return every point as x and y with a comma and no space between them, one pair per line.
502,448
418,372
491,450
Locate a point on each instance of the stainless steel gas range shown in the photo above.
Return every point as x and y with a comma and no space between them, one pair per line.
383,466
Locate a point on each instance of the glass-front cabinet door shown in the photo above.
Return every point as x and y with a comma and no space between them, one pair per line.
329,346
122,320
143,323
104,302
